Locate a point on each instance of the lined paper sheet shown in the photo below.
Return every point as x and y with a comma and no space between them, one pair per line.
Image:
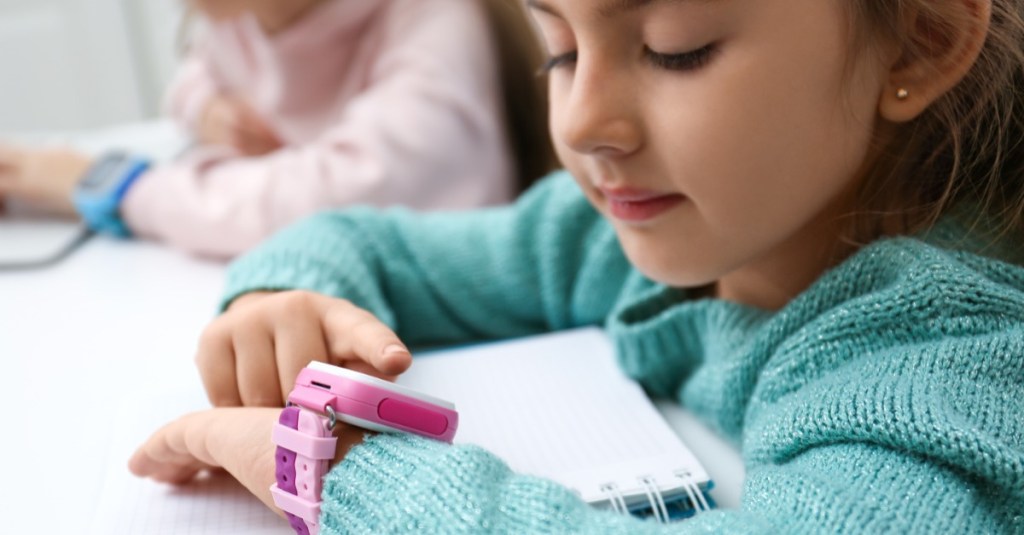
213,505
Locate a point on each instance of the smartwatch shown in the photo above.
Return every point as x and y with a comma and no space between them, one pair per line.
99,192
323,395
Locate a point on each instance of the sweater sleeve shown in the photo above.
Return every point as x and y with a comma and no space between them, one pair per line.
547,262
895,411
426,132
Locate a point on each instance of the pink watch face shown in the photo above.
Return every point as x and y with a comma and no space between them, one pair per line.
372,403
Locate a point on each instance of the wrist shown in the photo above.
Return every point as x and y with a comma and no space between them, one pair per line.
348,437
66,167
307,435
99,192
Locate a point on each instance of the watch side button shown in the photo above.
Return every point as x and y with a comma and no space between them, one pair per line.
412,416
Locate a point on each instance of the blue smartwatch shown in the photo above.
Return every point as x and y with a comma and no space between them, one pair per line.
99,192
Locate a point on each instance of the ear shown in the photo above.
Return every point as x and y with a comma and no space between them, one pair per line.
944,51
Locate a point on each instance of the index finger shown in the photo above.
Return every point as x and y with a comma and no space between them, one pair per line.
353,333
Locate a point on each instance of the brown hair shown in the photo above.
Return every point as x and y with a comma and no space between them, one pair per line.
525,95
967,148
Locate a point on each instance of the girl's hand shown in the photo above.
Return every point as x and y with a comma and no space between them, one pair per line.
230,121
45,177
251,354
237,440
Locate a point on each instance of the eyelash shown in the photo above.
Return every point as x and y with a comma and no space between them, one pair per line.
560,60
684,61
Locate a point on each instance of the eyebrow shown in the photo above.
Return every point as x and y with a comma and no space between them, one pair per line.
609,8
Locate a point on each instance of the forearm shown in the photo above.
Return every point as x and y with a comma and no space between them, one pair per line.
457,277
373,259
214,202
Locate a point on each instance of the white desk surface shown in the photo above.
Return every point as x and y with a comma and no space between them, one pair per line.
113,316
118,316
121,315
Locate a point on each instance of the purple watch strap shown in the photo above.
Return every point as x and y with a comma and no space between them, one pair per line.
285,472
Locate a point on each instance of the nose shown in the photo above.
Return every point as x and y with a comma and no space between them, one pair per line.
598,115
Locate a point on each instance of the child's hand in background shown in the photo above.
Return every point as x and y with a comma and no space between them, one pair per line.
230,121
44,177
251,355
237,440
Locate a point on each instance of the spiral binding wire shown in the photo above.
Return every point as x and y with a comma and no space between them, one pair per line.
618,503
656,499
700,504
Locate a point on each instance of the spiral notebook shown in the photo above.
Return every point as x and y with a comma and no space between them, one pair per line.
558,406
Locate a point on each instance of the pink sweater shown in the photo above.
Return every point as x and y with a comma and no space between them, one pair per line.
381,102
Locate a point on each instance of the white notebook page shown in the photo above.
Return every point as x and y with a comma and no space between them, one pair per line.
559,407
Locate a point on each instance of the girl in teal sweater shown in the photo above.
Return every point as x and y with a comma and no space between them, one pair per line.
800,218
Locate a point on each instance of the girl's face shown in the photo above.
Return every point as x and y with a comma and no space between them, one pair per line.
718,136
273,15
220,10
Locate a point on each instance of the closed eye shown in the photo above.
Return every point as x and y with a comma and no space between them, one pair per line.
685,61
560,60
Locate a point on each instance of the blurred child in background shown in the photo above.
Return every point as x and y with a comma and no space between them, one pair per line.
309,104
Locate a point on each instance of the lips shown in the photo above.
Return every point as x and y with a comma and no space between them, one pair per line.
639,205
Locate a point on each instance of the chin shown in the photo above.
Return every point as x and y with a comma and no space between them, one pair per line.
677,271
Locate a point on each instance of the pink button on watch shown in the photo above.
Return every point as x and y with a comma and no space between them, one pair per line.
324,394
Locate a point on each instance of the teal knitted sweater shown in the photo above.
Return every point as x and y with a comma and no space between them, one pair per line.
888,397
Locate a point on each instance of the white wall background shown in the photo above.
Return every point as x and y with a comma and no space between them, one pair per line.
77,64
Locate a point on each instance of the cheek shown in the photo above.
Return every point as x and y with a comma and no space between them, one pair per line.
557,103
765,147
771,144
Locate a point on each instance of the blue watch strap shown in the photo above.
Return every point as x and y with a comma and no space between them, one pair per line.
100,191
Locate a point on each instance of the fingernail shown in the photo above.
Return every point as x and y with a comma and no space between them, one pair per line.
395,350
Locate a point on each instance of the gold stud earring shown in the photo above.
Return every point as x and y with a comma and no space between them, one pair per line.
902,94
